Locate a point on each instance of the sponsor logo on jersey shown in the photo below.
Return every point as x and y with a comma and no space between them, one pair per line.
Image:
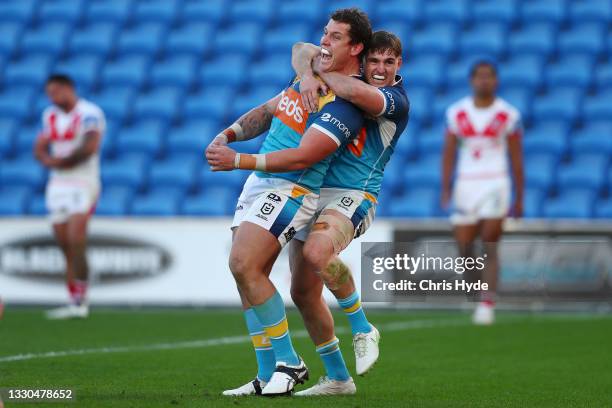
390,103
291,112
327,117
274,197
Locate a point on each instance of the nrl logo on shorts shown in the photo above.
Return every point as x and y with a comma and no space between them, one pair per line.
290,234
267,209
274,197
347,201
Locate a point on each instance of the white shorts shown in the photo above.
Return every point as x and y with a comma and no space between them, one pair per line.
478,199
65,198
358,206
277,205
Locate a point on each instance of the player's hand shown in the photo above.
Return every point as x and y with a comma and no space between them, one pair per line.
517,209
310,89
220,157
51,162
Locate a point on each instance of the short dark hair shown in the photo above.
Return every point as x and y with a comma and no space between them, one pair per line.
482,63
61,79
360,29
383,41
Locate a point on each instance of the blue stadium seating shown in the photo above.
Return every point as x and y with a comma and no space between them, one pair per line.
83,69
22,172
540,171
128,171
98,39
570,204
214,201
587,170
13,200
18,11
243,39
544,10
10,33
8,127
274,71
593,138
455,11
192,136
161,103
416,202
157,11
169,74
260,12
127,71
398,11
189,39
49,38
536,39
159,204
115,101
598,107
210,10
226,70
114,201
435,38
492,10
61,10
212,102
115,11
484,39
145,136
179,172
142,39
599,11
29,71
547,137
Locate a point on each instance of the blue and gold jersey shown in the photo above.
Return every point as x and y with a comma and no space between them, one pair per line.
361,164
336,117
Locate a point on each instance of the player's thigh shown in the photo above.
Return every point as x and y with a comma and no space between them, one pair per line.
465,235
77,228
491,229
253,249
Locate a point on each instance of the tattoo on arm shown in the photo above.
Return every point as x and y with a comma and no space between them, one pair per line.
255,122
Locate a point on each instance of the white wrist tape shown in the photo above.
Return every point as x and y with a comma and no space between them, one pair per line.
237,161
237,131
260,162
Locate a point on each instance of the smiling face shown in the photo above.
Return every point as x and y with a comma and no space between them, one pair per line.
381,67
336,48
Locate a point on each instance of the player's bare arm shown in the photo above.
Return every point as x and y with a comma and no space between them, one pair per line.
314,147
41,152
302,55
250,125
448,164
516,160
83,152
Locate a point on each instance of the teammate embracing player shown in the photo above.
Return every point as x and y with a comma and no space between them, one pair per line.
347,203
68,146
483,129
274,206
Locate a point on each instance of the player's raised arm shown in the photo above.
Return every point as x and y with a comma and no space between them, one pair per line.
250,125
302,56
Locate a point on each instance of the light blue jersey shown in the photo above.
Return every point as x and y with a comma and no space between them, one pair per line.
336,117
360,166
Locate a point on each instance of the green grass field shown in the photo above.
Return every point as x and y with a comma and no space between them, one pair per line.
168,358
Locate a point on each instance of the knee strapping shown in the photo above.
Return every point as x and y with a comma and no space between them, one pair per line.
338,229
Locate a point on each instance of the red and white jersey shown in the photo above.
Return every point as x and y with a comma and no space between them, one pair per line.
482,135
67,132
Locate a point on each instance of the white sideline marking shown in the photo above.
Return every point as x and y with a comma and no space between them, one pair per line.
385,327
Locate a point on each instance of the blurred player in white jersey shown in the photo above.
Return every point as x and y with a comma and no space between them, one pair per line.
482,130
68,145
